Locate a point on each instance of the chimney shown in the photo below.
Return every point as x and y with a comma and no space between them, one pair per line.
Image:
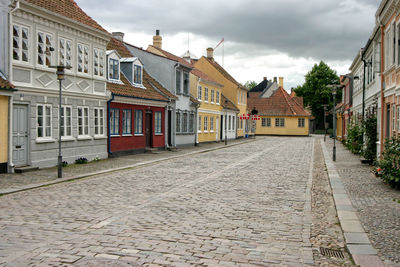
281,82
265,78
118,36
210,53
157,40
275,80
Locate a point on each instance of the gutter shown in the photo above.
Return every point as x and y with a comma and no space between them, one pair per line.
108,126
10,112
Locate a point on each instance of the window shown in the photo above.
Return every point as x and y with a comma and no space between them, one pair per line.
98,62
83,121
114,121
217,98
185,122
212,95
83,58
233,123
211,124
229,122
393,118
191,123
113,69
44,43
66,121
65,52
199,93
279,122
178,122
206,94
186,83
138,122
393,43
20,43
178,82
301,122
43,121
126,122
98,121
398,44
158,122
266,122
199,124
205,124
137,74
398,119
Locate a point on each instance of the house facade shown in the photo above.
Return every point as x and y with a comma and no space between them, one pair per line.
173,73
42,34
388,16
280,113
137,107
208,93
232,89
230,113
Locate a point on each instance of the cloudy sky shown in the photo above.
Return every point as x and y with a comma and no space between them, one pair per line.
263,38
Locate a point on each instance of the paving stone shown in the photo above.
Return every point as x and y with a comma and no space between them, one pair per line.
356,238
361,249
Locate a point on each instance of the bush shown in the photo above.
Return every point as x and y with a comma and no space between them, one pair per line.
64,164
370,130
81,161
390,163
354,140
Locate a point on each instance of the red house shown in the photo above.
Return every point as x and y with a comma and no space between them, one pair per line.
136,109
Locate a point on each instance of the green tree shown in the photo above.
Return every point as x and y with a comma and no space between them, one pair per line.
315,91
250,84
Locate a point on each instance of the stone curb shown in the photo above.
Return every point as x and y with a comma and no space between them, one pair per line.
8,191
357,241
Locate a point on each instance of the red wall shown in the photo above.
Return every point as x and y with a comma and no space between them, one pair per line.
124,143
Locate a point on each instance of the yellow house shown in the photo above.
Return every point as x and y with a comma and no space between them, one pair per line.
6,91
280,113
232,89
208,93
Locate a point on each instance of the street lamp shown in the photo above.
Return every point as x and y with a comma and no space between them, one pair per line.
334,88
325,106
60,76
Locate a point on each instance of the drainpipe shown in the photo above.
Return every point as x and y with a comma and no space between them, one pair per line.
382,90
196,126
109,123
10,111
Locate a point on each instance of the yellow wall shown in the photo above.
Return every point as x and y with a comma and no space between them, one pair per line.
3,129
339,125
291,127
230,89
209,136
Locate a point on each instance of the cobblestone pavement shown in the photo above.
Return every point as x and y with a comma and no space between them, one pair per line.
16,180
325,231
241,206
373,199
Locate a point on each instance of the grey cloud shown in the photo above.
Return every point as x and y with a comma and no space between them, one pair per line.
321,29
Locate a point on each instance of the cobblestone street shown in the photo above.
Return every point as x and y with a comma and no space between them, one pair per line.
244,205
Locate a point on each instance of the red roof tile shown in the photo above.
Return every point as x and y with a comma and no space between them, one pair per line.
225,73
69,9
279,104
5,84
228,104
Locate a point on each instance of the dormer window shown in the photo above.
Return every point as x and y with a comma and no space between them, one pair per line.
113,69
137,74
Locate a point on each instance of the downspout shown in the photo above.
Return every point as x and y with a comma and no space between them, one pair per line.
109,124
196,126
382,89
10,112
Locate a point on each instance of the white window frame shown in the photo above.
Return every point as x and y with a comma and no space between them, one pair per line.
212,91
217,98
99,122
85,121
199,126
301,123
99,62
83,56
46,54
205,124
158,122
211,124
394,118
206,94
138,122
398,119
114,121
19,50
44,121
118,69
280,122
186,83
64,121
126,123
191,122
185,122
64,53
178,82
135,67
199,93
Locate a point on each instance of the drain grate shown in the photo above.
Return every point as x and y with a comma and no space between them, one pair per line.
331,252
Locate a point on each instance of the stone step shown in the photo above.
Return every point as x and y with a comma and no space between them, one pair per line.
25,169
152,150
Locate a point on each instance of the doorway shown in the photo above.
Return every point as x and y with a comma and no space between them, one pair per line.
387,120
20,135
149,128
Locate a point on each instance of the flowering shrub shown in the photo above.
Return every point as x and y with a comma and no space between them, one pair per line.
390,163
354,138
371,132
81,160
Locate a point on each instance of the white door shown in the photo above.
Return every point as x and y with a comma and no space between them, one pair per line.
20,135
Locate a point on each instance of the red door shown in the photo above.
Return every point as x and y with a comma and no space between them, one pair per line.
149,129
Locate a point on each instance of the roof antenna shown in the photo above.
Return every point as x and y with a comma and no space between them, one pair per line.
188,40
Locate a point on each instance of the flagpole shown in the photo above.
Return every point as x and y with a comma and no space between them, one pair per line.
223,53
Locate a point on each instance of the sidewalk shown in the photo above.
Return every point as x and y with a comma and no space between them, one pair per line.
15,182
368,201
